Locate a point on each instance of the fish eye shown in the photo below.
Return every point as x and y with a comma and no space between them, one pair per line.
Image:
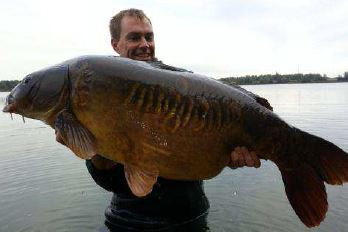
26,80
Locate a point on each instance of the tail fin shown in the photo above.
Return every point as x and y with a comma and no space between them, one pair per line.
305,171
306,194
330,161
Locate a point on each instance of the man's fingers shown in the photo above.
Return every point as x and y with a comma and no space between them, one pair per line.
250,158
256,159
249,161
241,157
237,159
234,159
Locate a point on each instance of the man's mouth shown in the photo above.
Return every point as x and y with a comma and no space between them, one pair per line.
144,55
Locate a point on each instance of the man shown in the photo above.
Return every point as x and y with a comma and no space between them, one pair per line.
172,205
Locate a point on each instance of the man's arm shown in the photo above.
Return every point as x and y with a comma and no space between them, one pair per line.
107,174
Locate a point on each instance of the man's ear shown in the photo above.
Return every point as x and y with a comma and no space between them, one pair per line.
114,43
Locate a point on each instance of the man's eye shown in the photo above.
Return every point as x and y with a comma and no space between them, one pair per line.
134,38
149,38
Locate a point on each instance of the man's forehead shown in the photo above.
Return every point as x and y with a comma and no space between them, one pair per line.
134,24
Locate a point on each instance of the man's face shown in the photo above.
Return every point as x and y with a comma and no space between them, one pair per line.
136,39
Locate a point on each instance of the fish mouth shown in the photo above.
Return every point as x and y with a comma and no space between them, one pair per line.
11,105
9,108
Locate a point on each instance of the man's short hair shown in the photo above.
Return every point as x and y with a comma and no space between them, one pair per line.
115,22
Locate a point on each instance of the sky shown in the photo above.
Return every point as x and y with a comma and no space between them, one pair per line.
218,38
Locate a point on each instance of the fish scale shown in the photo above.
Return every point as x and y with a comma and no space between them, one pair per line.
179,109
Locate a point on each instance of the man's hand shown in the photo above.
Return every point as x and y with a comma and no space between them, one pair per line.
102,163
241,157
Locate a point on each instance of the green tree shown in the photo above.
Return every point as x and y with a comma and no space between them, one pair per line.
6,86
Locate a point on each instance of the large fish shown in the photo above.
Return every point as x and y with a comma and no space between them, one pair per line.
177,125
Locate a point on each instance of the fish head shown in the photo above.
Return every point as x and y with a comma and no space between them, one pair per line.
39,93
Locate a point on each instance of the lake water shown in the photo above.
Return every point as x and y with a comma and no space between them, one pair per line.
44,187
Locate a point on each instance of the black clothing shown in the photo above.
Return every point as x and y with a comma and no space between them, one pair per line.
169,205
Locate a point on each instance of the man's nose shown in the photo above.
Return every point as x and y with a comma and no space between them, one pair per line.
144,43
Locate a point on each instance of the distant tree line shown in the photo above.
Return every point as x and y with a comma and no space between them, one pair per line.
343,78
283,79
6,86
277,78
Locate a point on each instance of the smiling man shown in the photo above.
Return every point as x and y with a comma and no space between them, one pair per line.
172,205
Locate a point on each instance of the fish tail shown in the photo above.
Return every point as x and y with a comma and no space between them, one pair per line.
304,171
306,193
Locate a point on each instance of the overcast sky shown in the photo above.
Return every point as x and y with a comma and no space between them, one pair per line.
217,38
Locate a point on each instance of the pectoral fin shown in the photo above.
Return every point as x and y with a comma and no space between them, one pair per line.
139,181
71,133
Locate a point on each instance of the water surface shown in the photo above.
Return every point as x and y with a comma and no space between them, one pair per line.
44,187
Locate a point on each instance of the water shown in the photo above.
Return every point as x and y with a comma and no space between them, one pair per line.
44,187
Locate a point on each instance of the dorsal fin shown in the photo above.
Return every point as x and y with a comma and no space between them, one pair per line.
262,101
161,65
